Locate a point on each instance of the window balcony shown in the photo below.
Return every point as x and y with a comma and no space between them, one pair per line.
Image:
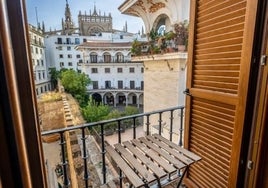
168,123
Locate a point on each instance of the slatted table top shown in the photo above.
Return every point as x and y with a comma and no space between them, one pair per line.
150,159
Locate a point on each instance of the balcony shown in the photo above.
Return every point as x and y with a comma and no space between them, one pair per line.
75,163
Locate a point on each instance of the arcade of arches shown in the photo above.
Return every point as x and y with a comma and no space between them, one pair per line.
115,98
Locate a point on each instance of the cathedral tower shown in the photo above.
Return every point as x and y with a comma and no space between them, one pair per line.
67,24
94,23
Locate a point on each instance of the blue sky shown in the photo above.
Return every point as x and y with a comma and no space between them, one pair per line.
52,11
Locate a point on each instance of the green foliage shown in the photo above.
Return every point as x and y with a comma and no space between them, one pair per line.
136,47
112,115
153,35
54,74
76,84
94,112
130,110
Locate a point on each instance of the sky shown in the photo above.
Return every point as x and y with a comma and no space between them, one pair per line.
52,12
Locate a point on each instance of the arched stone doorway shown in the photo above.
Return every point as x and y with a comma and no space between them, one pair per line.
97,98
132,99
121,99
108,99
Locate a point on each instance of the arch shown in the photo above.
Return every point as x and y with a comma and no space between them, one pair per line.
93,57
108,98
119,57
132,98
120,98
162,24
107,58
141,99
93,30
97,98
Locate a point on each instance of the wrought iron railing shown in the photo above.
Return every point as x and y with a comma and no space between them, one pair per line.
102,124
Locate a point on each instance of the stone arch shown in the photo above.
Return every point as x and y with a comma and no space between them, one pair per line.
93,57
120,98
119,57
108,98
107,57
132,98
94,30
97,97
162,24
141,99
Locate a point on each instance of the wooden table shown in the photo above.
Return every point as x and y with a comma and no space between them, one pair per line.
151,160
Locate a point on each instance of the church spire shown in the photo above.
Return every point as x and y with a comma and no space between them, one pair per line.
95,10
67,24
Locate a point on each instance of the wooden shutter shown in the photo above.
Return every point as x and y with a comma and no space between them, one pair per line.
219,57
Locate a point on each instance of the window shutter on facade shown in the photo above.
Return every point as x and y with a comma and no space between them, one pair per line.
219,57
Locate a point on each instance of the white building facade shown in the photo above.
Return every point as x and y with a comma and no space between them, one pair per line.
40,68
116,80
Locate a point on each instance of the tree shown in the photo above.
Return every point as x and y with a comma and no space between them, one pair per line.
76,84
94,112
54,76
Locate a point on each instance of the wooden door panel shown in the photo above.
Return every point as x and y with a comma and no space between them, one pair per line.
220,44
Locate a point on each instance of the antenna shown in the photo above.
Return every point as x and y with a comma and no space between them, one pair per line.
37,22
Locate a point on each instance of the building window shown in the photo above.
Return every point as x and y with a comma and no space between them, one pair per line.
59,47
39,75
93,58
119,70
77,41
37,62
107,58
41,51
142,85
142,69
61,55
78,56
131,69
94,70
33,61
61,64
95,84
132,84
31,49
68,41
70,64
68,48
59,40
69,56
119,57
35,40
120,84
43,75
42,62
36,50
107,70
107,84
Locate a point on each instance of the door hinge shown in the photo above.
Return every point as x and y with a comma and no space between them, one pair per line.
263,60
250,165
187,92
